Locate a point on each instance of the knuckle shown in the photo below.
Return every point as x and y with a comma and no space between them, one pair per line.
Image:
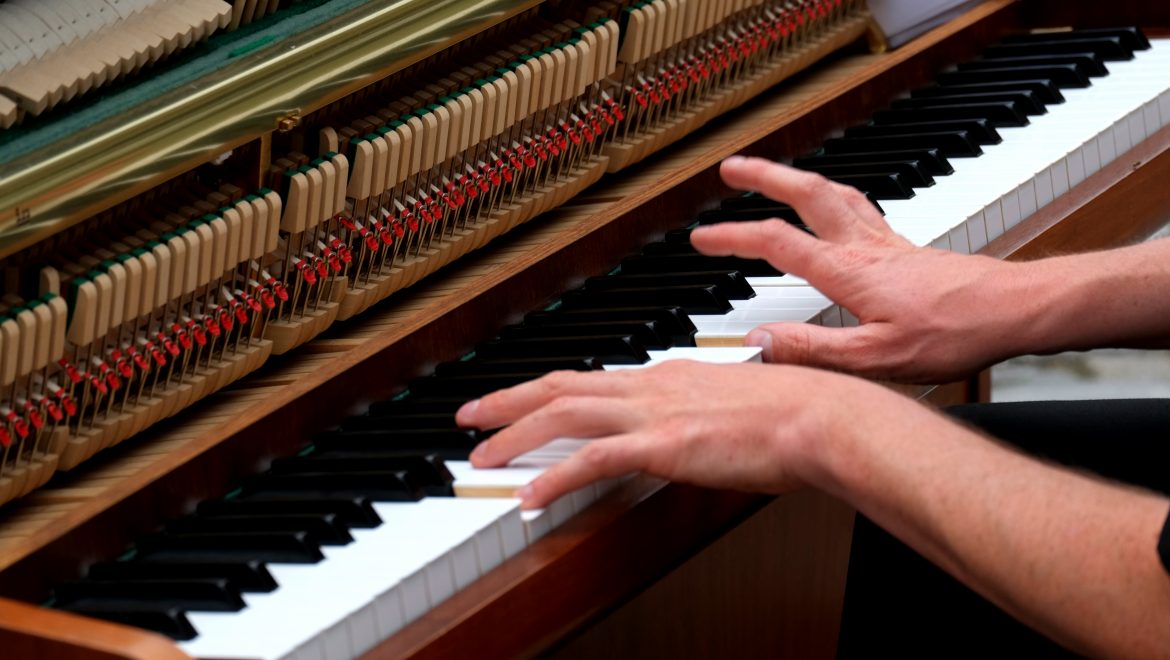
596,457
868,353
795,346
812,186
557,382
854,196
850,258
563,408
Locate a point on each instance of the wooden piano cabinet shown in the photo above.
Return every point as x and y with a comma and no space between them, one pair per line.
28,632
772,587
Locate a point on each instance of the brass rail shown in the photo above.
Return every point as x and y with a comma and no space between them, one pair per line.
46,192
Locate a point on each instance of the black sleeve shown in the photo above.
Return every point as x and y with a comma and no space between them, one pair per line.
1164,545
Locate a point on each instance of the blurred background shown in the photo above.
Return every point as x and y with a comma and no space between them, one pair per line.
1100,374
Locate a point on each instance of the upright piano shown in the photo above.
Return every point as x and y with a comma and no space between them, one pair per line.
231,228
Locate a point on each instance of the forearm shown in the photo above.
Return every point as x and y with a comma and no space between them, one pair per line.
1068,554
1117,298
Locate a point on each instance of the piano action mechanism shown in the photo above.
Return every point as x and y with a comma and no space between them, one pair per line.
310,129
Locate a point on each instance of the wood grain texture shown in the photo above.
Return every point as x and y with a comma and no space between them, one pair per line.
772,587
28,632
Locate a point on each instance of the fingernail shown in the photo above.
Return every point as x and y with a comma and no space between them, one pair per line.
762,339
734,160
468,409
479,454
525,493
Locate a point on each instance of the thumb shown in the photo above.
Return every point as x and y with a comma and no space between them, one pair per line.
854,350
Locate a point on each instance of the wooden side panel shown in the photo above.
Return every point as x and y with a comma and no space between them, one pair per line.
771,588
28,632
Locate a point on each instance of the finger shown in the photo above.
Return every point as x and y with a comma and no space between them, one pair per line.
613,456
506,406
565,417
789,249
821,204
856,350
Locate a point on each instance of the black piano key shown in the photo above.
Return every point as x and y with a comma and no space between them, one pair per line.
429,471
758,201
613,349
1088,64
268,547
1044,91
1108,48
674,263
997,113
204,595
468,386
447,445
402,420
696,299
1131,37
675,247
1061,75
678,236
750,201
885,185
669,319
645,332
528,365
718,216
169,621
421,405
910,171
932,161
379,486
981,131
1024,99
731,283
325,527
354,512
247,576
953,144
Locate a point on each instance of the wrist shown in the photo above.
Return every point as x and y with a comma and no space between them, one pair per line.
1093,300
845,437
1024,301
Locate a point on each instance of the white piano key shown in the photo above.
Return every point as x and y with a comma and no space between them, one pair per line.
1107,146
714,355
1137,127
976,232
958,240
1059,174
787,279
1092,155
415,556
1150,117
1044,192
1027,195
1076,166
1010,203
832,317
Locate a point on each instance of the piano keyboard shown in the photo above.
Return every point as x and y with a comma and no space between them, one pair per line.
337,548
989,194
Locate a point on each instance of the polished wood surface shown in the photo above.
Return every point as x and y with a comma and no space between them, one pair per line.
796,548
643,545
33,633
